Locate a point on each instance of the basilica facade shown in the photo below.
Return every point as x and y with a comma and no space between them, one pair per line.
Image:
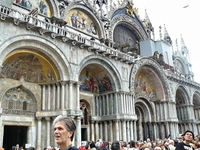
96,61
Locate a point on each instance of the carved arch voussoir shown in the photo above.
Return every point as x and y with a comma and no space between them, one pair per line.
124,19
152,64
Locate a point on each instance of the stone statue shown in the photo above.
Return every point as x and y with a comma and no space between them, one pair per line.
130,10
155,55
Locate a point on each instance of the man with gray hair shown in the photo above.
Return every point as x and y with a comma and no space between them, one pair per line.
171,145
64,128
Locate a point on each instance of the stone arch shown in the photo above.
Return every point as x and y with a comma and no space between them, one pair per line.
19,99
146,108
196,99
146,115
105,65
196,104
42,46
130,23
33,89
154,70
180,66
90,14
182,91
182,103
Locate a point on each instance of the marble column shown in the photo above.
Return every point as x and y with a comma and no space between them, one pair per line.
48,130
39,133
120,130
1,131
49,97
43,97
165,111
111,130
155,131
107,104
92,130
128,130
124,129
63,83
124,103
131,130
100,104
157,111
167,128
121,103
115,108
78,132
100,130
78,95
111,104
70,96
104,105
53,97
96,130
135,130
116,130
58,96
105,131
140,129
88,133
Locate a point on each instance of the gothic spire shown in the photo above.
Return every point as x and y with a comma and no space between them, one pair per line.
166,36
148,24
184,49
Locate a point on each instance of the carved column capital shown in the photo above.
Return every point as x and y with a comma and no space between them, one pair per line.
47,118
39,118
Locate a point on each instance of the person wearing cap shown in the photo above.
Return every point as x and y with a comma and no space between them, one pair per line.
64,128
188,137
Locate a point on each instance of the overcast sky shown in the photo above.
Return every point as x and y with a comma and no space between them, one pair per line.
178,21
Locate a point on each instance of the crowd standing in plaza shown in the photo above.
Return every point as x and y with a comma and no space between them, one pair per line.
64,129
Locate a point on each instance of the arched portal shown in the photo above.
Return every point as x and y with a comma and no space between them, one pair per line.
145,115
182,100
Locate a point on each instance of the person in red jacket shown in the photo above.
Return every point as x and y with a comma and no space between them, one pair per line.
82,147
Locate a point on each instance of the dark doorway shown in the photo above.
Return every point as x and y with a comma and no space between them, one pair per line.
83,134
14,135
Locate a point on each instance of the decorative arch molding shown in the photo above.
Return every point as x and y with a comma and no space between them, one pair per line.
90,14
141,95
54,7
147,109
152,65
196,100
183,63
32,88
106,65
40,45
185,92
131,23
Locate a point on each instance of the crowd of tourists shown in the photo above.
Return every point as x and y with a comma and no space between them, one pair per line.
64,129
187,142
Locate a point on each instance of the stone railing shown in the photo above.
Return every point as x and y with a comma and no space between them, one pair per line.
66,34
181,78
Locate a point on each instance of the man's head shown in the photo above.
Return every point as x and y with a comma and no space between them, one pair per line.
188,135
64,128
171,142
115,145
31,148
